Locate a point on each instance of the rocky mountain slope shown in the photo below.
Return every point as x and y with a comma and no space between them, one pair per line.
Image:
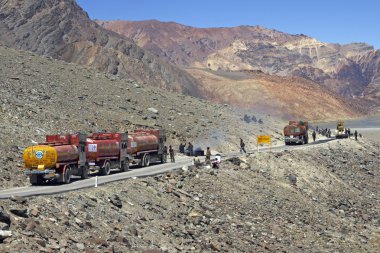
42,95
62,30
351,70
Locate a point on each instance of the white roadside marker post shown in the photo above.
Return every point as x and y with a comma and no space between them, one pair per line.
96,181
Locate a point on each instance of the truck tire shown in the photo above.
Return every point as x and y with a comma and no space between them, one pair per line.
124,166
163,158
146,160
67,175
36,179
106,169
84,174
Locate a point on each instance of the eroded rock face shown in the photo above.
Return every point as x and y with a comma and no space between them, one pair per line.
62,30
350,70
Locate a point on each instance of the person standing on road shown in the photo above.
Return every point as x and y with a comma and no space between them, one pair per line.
314,134
242,146
190,148
197,161
166,152
208,156
171,153
356,135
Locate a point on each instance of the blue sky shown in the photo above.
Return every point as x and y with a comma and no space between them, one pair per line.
336,21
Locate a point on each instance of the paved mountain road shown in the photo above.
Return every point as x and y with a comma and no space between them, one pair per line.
181,161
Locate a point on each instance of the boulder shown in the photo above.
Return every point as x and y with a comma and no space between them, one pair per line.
18,199
5,234
115,200
153,110
4,217
20,212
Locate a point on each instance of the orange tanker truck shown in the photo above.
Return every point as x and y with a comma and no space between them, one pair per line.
58,158
296,132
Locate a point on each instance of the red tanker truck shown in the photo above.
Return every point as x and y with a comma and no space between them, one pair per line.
106,151
146,146
296,132
64,155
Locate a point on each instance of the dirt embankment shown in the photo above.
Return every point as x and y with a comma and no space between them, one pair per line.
320,199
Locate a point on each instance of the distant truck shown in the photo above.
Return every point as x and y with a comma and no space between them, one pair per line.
296,132
341,131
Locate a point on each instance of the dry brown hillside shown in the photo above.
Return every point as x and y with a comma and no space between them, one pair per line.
281,96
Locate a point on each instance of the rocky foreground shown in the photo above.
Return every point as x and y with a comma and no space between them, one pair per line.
320,199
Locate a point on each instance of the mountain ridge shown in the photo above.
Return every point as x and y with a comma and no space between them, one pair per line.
350,70
62,30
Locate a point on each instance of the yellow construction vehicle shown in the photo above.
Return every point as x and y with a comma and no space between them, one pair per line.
341,131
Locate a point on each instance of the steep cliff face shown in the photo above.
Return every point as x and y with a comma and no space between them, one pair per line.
62,30
185,45
349,70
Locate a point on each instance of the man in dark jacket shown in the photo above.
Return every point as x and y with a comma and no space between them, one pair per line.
171,153
190,148
242,146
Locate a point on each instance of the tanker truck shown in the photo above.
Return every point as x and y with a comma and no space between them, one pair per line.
146,146
296,132
62,156
56,159
106,151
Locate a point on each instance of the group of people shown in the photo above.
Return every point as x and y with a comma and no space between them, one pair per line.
323,131
171,153
189,150
327,132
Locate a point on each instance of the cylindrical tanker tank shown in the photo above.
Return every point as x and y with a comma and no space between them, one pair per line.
66,153
46,157
138,142
97,149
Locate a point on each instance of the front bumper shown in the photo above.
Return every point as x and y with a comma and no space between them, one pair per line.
39,172
293,140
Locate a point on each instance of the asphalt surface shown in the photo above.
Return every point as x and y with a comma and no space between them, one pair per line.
181,161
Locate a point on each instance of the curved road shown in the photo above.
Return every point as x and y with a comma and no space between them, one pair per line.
76,184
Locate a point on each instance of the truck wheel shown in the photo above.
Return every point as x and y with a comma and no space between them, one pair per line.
106,170
146,160
36,179
67,177
163,158
124,166
84,174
